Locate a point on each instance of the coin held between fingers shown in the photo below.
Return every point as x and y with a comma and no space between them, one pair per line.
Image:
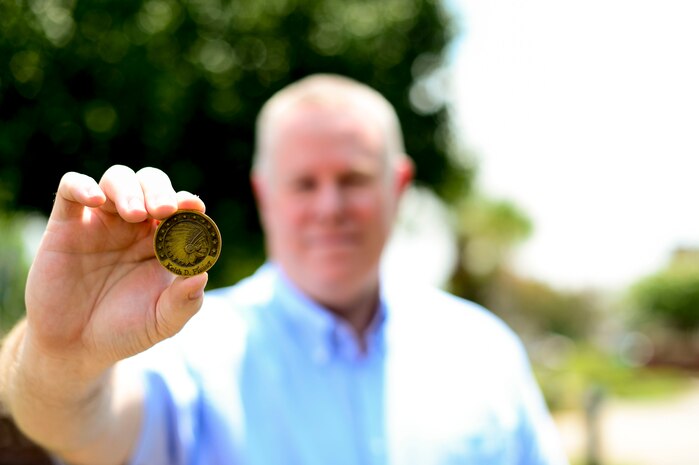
187,243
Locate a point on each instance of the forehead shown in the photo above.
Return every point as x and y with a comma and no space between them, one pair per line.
312,126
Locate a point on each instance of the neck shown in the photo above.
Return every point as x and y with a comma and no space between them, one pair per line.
359,312
356,304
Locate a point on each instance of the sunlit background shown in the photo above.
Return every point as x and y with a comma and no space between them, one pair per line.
586,115
556,146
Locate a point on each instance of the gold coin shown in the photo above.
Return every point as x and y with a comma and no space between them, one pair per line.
187,243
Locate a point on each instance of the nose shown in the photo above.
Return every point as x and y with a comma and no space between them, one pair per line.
330,201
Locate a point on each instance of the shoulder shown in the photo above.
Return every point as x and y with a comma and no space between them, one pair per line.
444,320
436,308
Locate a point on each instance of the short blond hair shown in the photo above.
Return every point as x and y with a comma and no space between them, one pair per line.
333,91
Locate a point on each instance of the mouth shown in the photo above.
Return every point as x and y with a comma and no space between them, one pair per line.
334,241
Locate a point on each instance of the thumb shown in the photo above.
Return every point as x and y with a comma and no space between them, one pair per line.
180,302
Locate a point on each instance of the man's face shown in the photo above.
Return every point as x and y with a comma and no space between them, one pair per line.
327,201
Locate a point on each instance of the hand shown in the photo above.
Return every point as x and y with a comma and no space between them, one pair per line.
96,293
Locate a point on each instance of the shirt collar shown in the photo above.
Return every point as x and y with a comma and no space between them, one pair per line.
323,334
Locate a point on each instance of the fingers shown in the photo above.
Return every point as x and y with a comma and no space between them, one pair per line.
134,196
178,304
76,191
124,193
187,201
160,197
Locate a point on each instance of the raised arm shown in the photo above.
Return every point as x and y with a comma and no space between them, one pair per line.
95,295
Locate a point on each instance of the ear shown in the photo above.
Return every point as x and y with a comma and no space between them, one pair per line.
257,183
404,171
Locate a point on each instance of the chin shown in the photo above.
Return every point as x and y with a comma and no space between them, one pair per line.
338,276
342,278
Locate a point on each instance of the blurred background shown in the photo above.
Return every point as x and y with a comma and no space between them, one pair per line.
555,144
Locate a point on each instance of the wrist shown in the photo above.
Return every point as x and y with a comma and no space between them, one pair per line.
44,392
29,374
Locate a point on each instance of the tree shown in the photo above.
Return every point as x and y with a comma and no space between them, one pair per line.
177,84
487,231
671,296
666,308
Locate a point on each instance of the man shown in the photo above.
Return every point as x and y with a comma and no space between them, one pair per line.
316,359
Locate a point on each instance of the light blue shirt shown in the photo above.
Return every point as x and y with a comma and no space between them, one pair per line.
264,376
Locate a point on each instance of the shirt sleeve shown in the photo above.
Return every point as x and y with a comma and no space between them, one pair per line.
169,418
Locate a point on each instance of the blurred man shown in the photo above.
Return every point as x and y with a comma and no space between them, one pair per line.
315,359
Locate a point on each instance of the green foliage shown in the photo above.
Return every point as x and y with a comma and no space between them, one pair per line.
488,231
671,296
16,231
535,308
582,367
177,84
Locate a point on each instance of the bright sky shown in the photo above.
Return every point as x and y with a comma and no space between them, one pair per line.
586,115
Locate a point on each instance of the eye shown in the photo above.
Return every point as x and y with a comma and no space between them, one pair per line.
304,184
356,179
